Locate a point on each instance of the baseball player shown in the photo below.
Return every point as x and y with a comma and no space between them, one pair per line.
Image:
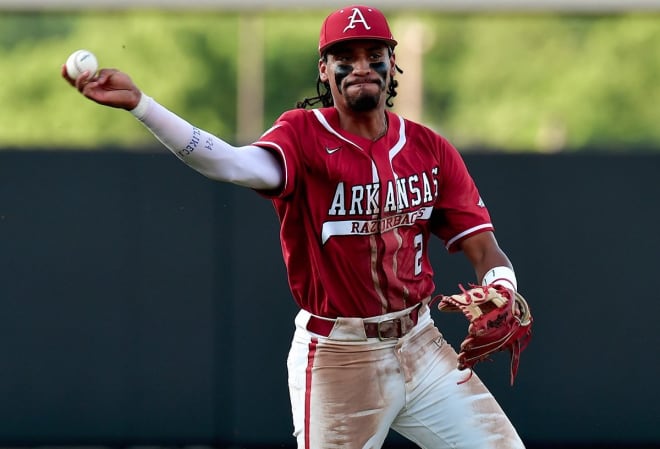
359,191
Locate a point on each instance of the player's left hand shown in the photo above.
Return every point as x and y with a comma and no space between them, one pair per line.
500,320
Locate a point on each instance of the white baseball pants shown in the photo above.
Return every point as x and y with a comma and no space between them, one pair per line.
348,394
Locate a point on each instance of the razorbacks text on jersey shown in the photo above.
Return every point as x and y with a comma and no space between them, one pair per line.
358,213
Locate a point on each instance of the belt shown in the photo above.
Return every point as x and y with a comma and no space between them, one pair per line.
383,330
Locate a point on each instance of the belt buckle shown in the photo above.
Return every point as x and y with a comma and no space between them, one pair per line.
381,337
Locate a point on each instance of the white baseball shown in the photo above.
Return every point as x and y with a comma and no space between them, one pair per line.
81,61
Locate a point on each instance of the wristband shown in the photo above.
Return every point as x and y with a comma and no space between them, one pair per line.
501,275
141,109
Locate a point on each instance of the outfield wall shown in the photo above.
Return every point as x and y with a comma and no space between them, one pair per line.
141,303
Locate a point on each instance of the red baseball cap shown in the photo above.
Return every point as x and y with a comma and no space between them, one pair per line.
354,22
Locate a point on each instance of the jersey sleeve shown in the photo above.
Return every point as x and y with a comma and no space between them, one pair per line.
282,140
459,211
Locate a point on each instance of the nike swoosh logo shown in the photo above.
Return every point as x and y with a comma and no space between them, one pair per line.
332,150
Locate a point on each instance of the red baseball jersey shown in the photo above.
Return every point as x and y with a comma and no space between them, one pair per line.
356,215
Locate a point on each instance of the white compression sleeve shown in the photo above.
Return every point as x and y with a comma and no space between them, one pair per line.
248,166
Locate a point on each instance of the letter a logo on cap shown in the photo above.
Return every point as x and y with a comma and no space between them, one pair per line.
351,23
356,18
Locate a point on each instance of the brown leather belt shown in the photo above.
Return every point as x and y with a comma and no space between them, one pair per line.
383,330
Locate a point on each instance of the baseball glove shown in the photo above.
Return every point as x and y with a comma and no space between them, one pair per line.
500,320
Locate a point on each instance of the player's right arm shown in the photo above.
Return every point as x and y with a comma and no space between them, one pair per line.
249,166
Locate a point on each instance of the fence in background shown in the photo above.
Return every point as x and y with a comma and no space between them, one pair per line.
144,304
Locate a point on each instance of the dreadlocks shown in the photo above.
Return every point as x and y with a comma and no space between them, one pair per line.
323,96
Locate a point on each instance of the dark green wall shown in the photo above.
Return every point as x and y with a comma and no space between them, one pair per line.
141,303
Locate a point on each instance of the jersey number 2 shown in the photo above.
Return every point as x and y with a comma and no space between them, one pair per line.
419,246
